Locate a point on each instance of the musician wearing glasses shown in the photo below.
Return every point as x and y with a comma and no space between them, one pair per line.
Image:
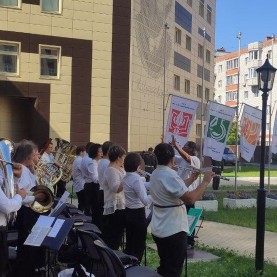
7,206
169,223
28,258
47,156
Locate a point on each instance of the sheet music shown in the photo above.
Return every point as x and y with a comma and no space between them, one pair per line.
56,228
37,236
64,197
39,231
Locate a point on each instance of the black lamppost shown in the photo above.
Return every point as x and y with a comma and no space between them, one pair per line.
266,74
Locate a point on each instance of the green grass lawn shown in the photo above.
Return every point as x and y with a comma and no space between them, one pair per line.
241,217
229,264
247,171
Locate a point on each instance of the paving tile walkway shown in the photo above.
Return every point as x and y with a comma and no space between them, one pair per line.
240,239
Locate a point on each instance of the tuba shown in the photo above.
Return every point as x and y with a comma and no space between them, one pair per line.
64,157
6,152
47,176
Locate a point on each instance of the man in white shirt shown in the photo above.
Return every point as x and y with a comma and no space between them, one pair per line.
169,223
78,180
7,206
185,162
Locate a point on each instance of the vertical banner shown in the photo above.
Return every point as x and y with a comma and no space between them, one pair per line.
274,137
219,121
180,119
250,125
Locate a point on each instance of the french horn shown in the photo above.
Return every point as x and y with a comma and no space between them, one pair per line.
64,157
6,152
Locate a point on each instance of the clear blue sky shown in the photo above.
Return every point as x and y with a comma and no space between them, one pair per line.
255,19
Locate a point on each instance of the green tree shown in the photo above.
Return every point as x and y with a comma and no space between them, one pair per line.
232,135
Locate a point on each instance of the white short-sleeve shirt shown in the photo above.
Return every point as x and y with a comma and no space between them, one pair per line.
166,188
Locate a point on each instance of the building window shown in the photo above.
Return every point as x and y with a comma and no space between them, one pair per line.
207,94
188,42
49,61
199,91
208,56
219,99
255,55
178,35
232,80
252,73
51,6
200,51
201,8
10,3
209,14
220,68
255,91
177,82
245,94
9,58
219,83
187,86
232,64
269,53
198,130
246,60
245,78
189,2
231,95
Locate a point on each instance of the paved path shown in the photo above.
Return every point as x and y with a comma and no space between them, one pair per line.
239,239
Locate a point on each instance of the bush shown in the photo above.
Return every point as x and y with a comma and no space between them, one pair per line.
209,196
238,195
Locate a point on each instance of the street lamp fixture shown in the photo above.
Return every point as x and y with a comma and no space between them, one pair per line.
266,74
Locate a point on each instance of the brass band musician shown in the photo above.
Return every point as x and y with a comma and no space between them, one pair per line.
7,206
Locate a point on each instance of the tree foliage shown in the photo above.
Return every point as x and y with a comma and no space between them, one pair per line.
231,140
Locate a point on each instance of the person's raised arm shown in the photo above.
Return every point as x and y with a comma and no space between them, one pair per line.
182,153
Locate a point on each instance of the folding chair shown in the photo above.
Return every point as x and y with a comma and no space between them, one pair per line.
114,267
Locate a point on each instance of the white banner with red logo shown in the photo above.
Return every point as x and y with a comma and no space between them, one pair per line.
274,137
250,125
180,119
219,121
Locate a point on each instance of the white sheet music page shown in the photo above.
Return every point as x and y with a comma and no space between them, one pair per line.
56,228
39,231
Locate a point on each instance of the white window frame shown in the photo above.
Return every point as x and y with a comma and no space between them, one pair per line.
18,44
219,68
56,12
187,86
188,42
177,82
178,36
252,73
54,47
18,6
219,83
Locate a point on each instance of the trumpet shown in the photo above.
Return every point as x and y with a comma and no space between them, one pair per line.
202,171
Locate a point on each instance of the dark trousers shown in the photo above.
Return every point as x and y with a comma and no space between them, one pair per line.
81,199
4,255
61,188
113,228
190,239
28,257
172,253
101,207
136,230
92,198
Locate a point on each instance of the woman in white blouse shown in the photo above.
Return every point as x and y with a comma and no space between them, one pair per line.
114,200
136,199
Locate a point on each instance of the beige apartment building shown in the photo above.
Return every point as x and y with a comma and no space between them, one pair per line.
96,70
236,77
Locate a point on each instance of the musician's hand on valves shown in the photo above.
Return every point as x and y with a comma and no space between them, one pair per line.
17,170
40,197
208,176
21,192
194,175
